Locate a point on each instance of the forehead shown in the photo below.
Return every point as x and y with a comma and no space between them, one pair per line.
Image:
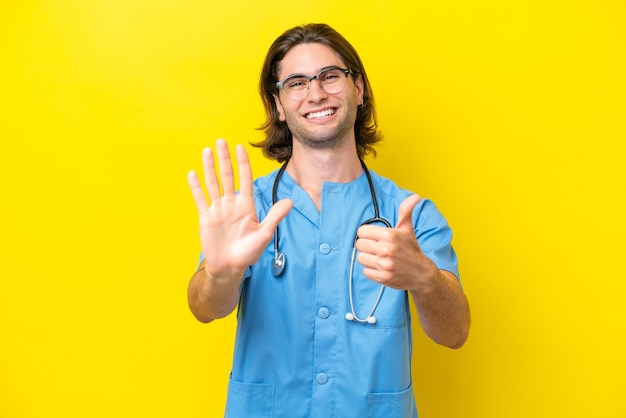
308,59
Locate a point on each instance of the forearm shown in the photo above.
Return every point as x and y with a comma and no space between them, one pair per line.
212,298
443,310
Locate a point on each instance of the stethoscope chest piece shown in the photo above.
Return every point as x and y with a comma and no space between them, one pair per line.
278,264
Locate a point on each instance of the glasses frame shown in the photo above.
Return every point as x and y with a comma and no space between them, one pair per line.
281,84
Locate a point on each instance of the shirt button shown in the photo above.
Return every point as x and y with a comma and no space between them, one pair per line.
321,378
324,248
323,313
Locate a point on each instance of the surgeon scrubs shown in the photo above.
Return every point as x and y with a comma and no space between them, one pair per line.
295,354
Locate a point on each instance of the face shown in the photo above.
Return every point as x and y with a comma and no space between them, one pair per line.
321,120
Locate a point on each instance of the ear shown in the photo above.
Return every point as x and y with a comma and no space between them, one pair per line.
279,107
360,89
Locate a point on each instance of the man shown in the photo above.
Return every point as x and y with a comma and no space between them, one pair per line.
323,329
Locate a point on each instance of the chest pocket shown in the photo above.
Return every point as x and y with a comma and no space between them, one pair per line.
247,400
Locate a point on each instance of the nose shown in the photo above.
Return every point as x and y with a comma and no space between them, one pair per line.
316,92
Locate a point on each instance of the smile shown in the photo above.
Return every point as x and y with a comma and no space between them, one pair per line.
320,115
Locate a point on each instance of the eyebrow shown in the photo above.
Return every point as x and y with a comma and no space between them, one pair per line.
328,67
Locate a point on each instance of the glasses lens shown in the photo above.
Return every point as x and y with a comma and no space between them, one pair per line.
296,88
332,81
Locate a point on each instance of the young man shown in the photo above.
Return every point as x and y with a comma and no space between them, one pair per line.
322,281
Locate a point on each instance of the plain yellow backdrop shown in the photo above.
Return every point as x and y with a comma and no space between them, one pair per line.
510,115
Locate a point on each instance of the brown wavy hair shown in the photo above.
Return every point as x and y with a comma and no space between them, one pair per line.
277,144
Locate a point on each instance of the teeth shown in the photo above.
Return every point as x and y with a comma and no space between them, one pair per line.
319,115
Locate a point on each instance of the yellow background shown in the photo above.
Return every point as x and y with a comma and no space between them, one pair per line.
510,115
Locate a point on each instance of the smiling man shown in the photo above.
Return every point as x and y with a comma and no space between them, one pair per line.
321,255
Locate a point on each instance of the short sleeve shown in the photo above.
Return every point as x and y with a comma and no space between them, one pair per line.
434,236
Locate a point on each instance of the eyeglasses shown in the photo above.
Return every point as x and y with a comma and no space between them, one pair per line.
332,80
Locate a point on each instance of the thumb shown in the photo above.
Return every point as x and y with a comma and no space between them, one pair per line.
405,211
276,214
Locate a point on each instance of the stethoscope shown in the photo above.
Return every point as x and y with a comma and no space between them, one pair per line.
279,257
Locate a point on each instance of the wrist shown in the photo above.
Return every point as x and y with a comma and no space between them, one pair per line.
428,281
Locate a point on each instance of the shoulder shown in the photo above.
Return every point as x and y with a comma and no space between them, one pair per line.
263,184
426,210
389,188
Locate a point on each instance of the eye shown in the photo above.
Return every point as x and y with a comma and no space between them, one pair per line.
296,83
330,76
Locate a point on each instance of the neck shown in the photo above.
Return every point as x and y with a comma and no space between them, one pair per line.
311,168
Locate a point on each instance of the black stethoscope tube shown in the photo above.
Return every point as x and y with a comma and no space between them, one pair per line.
278,264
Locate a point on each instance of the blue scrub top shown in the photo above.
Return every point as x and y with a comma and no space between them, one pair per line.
295,354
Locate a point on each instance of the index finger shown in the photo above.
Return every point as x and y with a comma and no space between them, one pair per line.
374,232
245,171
